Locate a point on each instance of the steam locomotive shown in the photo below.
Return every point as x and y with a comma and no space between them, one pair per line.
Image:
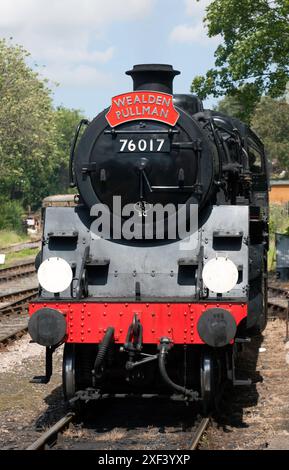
156,274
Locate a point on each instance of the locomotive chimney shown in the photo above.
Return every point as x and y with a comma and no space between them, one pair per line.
153,77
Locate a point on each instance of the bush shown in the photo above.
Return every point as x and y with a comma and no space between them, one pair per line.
279,219
11,213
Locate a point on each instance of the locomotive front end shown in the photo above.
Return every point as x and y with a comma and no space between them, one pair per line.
147,277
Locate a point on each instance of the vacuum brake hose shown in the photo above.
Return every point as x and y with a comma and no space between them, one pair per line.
102,350
164,347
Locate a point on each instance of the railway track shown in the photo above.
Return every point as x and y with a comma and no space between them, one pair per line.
278,301
14,314
199,432
17,301
16,271
21,246
50,437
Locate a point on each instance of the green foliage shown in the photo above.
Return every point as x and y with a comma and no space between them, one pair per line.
16,256
11,215
34,138
253,57
241,103
278,221
66,121
271,122
9,237
27,130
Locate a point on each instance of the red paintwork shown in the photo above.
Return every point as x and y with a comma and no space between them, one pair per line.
140,105
87,322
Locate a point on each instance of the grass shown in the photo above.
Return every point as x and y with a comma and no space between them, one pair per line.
9,237
279,223
271,258
11,258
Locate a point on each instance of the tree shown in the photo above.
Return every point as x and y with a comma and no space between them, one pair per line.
34,137
252,59
233,106
28,152
66,121
271,122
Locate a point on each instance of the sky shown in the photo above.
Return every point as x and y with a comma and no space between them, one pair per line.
85,46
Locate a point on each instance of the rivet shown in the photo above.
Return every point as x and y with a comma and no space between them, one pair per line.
71,317
185,330
191,310
71,311
169,330
89,314
126,305
169,314
104,314
69,305
82,332
147,305
185,314
105,305
84,305
82,318
153,314
89,330
189,305
191,317
82,325
82,339
100,330
82,310
169,305
153,331
121,330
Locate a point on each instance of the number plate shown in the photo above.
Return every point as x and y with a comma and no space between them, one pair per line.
143,144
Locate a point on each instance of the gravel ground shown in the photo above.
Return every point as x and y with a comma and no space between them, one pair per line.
26,408
255,417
